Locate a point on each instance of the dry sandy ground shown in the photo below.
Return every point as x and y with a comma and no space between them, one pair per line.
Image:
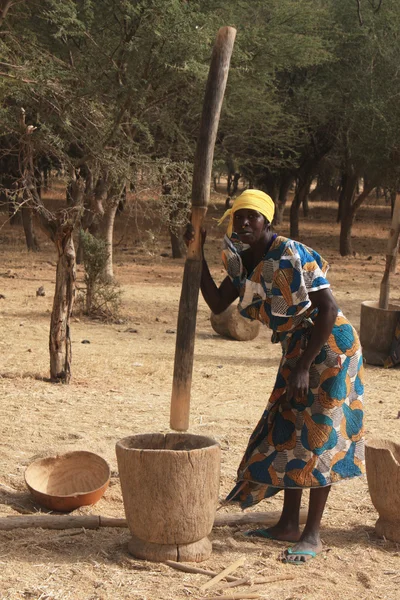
121,386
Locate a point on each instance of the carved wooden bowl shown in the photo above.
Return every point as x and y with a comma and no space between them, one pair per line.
68,481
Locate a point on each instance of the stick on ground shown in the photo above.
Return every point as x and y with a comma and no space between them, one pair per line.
95,521
197,570
238,563
233,597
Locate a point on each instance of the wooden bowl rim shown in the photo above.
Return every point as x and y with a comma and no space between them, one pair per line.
65,455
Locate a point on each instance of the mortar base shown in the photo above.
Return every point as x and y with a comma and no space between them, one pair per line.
194,552
388,529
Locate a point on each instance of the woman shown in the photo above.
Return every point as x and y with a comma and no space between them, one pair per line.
311,432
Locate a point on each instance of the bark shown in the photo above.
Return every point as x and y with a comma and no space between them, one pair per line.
27,222
93,208
64,297
302,190
284,188
235,184
59,230
5,5
343,183
306,207
176,244
351,203
108,228
393,196
175,209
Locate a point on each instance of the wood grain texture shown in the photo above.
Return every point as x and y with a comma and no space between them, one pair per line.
231,324
213,97
391,251
227,571
170,494
194,552
382,459
186,327
43,521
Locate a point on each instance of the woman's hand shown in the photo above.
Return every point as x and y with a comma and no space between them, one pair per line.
188,236
298,383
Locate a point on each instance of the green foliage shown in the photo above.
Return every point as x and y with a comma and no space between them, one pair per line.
176,192
119,84
103,296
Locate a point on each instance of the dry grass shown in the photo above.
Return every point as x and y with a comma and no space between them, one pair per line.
121,386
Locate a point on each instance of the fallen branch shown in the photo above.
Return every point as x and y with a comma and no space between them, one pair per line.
232,597
233,584
196,570
60,522
238,563
272,579
95,521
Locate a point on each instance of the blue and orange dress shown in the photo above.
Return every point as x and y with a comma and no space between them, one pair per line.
317,441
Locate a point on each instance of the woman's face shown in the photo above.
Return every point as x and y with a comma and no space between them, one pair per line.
250,225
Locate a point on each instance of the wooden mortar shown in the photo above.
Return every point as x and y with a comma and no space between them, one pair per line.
231,324
170,487
382,459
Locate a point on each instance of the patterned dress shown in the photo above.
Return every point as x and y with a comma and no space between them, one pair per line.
317,441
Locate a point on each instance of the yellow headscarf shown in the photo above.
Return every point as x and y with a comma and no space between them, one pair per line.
251,199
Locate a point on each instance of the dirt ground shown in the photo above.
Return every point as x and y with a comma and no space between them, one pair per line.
121,385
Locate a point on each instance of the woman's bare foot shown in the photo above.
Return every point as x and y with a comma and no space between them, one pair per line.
306,548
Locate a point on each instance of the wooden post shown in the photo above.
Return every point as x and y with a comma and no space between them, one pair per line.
390,255
186,328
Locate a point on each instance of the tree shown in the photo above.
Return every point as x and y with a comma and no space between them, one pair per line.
367,90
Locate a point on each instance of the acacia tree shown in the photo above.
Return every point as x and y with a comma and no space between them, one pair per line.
367,89
59,228
114,91
274,122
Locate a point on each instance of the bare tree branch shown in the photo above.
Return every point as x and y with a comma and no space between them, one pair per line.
2,74
5,5
360,19
375,8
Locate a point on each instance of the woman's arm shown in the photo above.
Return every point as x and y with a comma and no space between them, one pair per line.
217,298
323,325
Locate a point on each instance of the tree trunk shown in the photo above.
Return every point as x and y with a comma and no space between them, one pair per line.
349,186
302,190
346,247
4,7
176,244
286,183
93,208
27,222
306,206
59,230
64,297
229,180
108,228
236,178
393,196
343,183
350,207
